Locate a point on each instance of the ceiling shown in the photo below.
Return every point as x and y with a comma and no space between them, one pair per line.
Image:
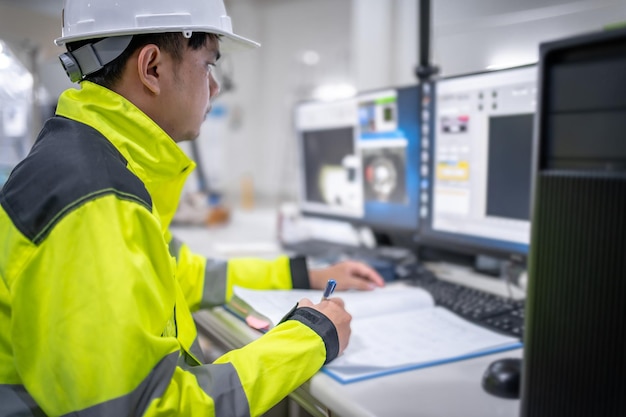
49,7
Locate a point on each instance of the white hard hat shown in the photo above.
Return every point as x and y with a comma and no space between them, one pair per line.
88,19
116,21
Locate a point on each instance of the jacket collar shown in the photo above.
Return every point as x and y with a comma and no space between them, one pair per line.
151,153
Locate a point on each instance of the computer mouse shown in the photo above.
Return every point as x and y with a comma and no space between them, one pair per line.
386,269
502,378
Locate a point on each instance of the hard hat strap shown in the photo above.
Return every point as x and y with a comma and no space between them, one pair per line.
91,57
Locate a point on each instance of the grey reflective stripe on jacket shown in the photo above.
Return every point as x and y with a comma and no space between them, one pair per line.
196,350
221,383
214,291
174,247
194,357
15,401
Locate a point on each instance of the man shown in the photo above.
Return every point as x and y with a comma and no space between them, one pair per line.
95,294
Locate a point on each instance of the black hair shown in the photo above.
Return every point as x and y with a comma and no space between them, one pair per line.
170,42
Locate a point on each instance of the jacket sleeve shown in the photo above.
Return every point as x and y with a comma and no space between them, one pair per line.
251,380
95,313
208,283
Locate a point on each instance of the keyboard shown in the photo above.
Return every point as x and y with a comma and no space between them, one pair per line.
497,313
493,312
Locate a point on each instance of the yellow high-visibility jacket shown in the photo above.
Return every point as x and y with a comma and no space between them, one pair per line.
96,297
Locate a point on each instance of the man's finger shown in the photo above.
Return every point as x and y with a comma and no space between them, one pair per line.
337,301
305,302
367,273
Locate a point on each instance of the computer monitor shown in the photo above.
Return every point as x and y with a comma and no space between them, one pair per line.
360,159
476,188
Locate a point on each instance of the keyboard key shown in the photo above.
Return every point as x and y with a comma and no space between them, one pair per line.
491,311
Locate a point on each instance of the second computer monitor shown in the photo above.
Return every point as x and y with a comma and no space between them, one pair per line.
360,158
481,156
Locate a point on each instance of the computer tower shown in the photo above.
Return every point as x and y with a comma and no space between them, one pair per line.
575,337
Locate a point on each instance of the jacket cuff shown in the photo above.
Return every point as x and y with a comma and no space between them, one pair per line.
320,325
299,273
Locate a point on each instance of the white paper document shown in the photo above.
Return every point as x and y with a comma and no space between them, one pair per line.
393,329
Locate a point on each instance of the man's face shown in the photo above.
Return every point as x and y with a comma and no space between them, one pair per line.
187,101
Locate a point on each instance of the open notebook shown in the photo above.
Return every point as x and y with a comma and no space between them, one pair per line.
394,329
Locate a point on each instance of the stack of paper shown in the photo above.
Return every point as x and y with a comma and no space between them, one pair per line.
394,329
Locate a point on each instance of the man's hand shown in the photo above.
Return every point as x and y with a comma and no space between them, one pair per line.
350,275
334,309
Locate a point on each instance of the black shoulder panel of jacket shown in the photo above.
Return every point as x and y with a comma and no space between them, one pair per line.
70,164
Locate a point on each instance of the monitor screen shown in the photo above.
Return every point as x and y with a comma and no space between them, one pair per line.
479,178
360,158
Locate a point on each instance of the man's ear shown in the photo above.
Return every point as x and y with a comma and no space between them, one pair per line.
148,66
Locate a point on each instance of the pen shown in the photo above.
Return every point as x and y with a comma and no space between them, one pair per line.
330,287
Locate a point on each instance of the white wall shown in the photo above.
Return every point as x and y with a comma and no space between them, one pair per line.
272,79
471,35
26,29
372,43
30,36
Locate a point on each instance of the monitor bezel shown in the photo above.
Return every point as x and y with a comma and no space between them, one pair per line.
457,243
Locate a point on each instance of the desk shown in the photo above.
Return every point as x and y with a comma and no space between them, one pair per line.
448,390
445,390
